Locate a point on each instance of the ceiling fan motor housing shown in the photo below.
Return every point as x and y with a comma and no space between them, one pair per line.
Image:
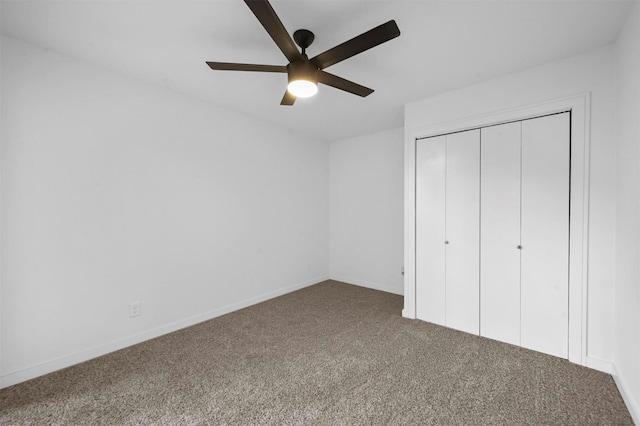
302,70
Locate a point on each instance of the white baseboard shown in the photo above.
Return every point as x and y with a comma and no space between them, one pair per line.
632,405
367,284
598,364
406,313
29,373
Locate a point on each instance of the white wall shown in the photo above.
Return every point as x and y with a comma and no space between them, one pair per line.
366,213
627,283
116,191
590,72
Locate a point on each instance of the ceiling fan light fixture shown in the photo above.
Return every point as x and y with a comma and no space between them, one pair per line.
303,79
302,88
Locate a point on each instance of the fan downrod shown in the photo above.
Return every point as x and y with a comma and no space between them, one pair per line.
303,38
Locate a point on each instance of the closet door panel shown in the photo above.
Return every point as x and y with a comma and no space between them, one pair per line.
430,229
500,233
463,230
545,234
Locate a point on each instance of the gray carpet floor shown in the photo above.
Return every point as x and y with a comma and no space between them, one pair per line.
331,354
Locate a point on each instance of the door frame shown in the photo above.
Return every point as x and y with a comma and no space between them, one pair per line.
579,105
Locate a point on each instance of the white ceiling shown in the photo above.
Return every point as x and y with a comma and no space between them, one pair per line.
443,45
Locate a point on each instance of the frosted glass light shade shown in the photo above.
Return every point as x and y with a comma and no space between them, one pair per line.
302,88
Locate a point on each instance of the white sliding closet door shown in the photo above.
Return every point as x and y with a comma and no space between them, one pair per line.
500,233
545,234
430,229
462,230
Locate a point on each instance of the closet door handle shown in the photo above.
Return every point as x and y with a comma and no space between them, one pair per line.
519,247
446,242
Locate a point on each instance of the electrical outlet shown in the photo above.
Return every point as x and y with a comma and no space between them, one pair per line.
134,309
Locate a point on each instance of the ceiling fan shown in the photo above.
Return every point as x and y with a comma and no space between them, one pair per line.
304,74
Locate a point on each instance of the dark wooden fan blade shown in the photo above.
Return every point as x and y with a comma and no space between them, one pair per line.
359,44
230,66
342,84
287,99
270,21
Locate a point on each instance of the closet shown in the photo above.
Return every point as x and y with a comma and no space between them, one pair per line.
492,232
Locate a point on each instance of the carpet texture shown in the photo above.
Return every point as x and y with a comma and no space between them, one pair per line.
332,354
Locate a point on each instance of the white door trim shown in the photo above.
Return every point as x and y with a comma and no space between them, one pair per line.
579,105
